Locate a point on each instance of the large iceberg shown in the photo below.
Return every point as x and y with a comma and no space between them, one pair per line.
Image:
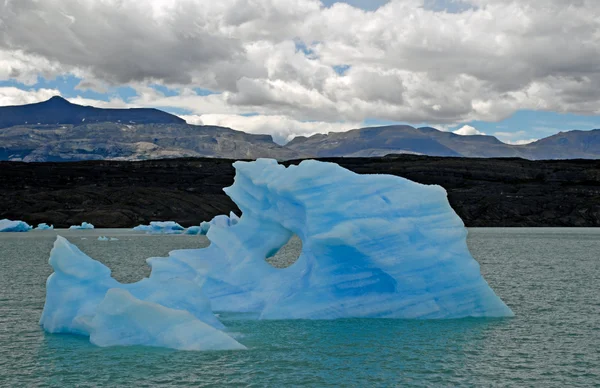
14,226
374,246
82,298
83,226
161,227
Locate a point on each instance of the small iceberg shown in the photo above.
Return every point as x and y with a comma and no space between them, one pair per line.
14,226
161,227
44,226
83,226
105,238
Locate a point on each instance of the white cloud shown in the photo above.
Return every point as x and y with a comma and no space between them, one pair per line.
282,128
16,96
514,138
468,130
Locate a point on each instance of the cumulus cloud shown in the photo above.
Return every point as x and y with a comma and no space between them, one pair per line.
468,130
16,96
407,60
282,128
514,138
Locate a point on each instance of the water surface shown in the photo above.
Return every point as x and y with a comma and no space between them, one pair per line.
549,277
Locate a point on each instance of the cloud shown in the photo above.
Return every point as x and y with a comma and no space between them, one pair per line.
468,130
411,61
514,138
283,129
16,96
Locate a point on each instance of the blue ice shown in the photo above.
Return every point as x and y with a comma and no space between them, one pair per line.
44,226
161,227
373,246
83,226
14,226
82,298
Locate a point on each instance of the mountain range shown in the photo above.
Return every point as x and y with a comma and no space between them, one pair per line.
57,130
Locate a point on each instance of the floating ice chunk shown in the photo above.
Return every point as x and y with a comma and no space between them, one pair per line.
44,226
114,239
83,226
80,285
122,319
161,227
14,226
193,230
103,238
372,246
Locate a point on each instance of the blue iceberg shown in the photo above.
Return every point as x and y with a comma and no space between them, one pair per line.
373,246
161,227
44,226
82,298
83,226
14,226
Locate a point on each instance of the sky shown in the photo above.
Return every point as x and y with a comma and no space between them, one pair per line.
518,70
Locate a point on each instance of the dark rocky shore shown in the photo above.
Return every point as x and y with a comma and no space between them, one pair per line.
484,192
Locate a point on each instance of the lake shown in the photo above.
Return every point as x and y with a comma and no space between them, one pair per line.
549,277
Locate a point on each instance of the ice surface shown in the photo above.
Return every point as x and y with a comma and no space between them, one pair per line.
14,226
82,298
83,226
44,227
194,230
161,227
221,221
373,246
122,319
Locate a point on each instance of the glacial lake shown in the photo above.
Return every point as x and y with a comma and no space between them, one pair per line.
549,277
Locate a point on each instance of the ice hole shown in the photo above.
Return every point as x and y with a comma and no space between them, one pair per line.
287,255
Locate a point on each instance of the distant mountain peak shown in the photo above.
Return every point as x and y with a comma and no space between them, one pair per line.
58,110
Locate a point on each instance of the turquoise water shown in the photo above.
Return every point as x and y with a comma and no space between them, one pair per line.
549,277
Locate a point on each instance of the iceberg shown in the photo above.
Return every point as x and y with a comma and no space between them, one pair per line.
14,226
374,246
161,227
82,298
83,226
103,238
44,226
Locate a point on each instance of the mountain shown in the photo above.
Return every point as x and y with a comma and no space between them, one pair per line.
56,130
404,139
57,110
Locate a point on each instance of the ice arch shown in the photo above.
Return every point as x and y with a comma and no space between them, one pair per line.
372,246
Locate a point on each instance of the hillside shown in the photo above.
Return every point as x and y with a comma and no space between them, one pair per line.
484,192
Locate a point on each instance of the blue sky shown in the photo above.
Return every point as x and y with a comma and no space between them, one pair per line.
304,70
